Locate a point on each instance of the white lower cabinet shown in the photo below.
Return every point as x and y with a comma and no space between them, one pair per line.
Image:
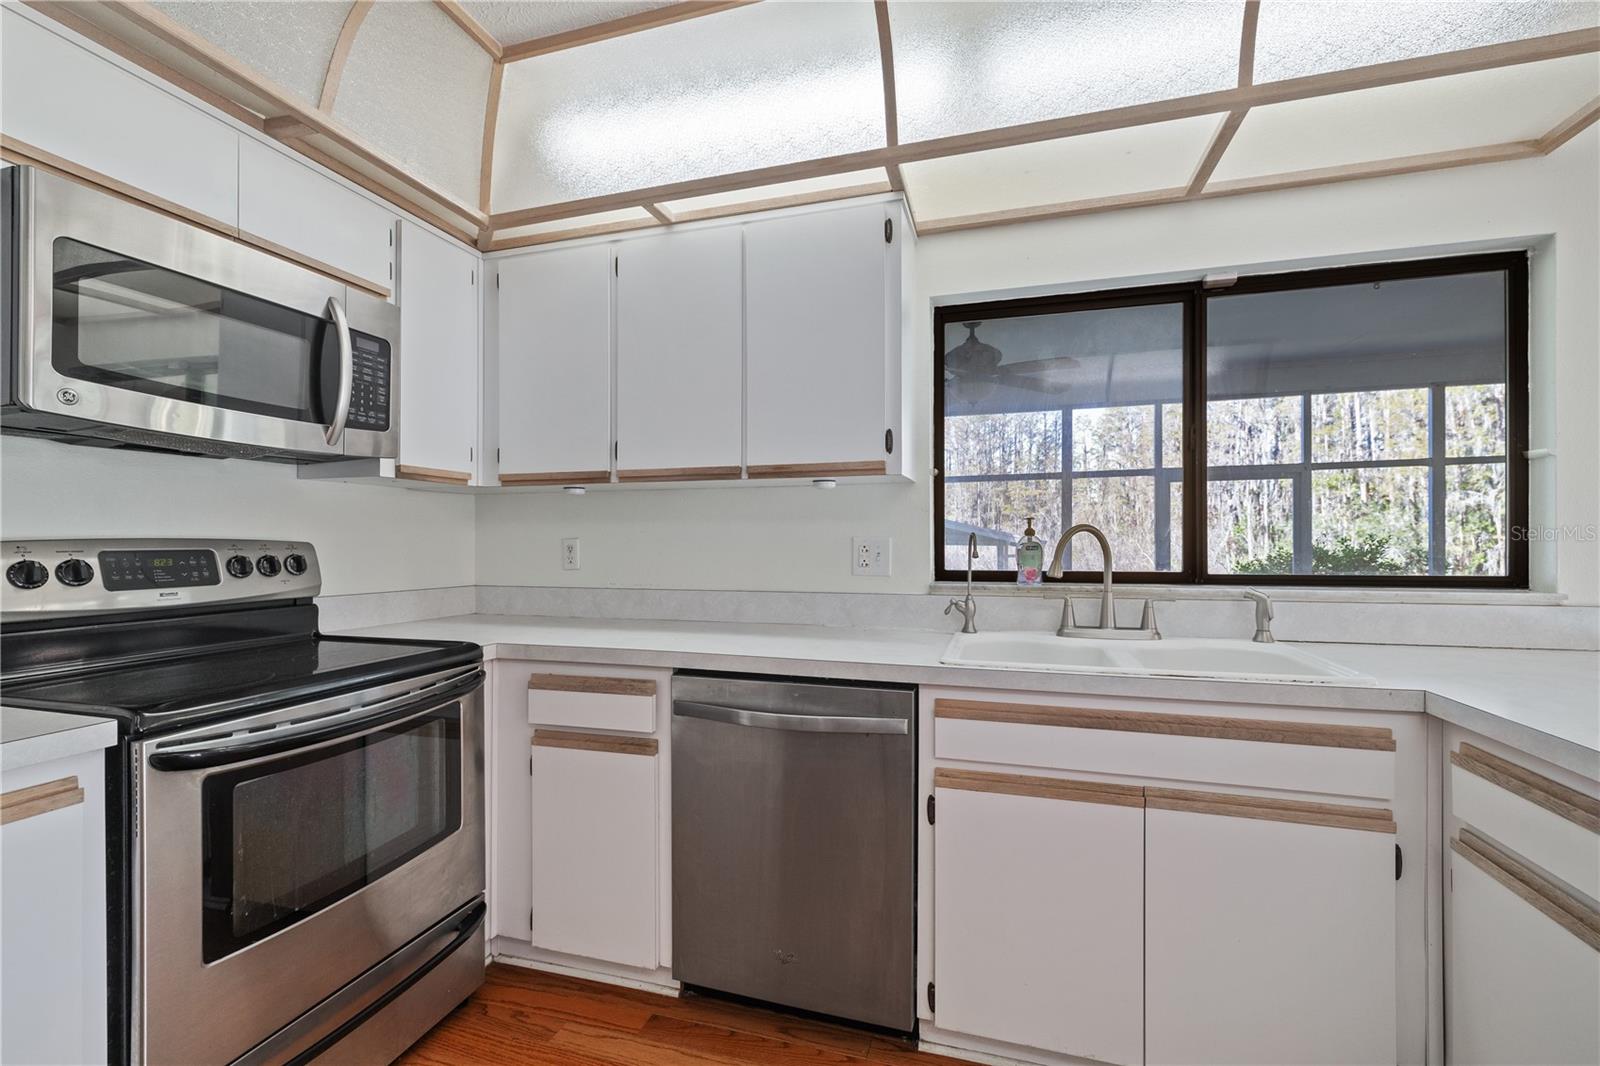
1267,941
1038,923
594,847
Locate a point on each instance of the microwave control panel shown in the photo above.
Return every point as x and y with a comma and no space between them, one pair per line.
369,388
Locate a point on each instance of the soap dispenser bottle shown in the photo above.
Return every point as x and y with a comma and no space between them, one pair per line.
1030,558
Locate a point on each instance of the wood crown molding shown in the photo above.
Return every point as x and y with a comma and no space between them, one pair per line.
617,27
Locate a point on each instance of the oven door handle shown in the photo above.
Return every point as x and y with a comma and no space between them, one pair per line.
237,748
347,370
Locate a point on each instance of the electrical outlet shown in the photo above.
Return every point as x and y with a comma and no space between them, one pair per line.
569,553
871,556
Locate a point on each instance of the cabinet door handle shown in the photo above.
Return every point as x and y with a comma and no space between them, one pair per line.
39,799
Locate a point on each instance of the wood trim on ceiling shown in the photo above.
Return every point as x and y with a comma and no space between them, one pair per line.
1537,789
1553,46
659,213
1570,126
1314,734
604,686
491,125
617,27
35,800
1554,902
341,53
1232,805
356,177
1247,42
474,29
1032,785
431,474
1219,144
556,738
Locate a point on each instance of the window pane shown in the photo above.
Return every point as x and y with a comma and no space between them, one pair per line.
1370,521
1124,508
1174,559
1021,442
1007,384
1475,420
1367,426
1172,435
998,511
1113,438
1250,526
1253,431
1475,519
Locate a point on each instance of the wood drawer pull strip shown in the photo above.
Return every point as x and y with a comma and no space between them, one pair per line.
433,474
555,738
558,477
609,686
39,799
1334,815
681,473
851,469
1316,734
1042,787
1553,796
1556,903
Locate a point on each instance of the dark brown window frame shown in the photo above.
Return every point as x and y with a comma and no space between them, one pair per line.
1193,297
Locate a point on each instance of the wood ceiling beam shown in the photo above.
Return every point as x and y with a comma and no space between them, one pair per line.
341,52
472,26
659,213
491,123
891,110
618,27
1219,144
1486,57
293,120
1570,126
1247,42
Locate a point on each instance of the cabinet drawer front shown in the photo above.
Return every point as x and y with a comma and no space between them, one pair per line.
621,703
1295,756
1552,825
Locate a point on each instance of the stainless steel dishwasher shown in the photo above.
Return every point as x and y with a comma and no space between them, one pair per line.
794,844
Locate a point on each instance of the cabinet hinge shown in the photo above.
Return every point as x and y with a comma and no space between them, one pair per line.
472,277
888,231
530,919
614,451
930,808
616,267
1399,862
497,455
888,441
469,454
497,279
530,766
930,989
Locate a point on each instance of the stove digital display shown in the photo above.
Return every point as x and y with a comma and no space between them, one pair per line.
124,570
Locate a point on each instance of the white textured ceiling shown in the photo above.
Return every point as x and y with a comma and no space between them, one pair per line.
515,21
288,41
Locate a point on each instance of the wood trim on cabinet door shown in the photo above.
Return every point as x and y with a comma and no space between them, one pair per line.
1229,805
1314,734
428,473
1537,789
681,473
555,738
609,686
869,468
558,477
1556,903
1041,787
39,799
282,251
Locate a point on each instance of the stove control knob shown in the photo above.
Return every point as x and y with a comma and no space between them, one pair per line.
74,572
267,566
240,566
27,574
295,564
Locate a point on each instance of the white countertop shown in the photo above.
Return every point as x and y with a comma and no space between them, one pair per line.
29,737
1545,703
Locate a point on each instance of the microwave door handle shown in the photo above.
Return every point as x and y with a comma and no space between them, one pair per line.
347,370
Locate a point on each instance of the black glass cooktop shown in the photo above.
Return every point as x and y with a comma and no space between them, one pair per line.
180,690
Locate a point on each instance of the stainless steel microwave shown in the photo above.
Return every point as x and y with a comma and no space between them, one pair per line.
128,327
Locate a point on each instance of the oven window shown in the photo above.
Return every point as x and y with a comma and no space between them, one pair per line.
126,323
289,837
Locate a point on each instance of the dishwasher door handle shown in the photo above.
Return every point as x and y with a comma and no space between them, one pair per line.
803,723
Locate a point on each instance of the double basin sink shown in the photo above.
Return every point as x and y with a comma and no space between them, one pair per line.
1233,660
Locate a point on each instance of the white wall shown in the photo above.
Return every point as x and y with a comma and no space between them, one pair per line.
787,539
368,538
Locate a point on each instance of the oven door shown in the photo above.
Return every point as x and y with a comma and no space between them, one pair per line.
144,328
283,856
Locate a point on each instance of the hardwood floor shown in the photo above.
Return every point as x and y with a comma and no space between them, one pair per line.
524,1016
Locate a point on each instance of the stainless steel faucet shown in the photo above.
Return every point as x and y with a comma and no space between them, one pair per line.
968,606
1263,604
1146,629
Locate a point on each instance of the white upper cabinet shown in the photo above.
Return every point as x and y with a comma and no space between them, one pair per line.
680,411
555,366
438,357
822,306
286,203
1268,941
63,100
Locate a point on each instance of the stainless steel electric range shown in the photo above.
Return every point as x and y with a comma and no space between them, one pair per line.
297,857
